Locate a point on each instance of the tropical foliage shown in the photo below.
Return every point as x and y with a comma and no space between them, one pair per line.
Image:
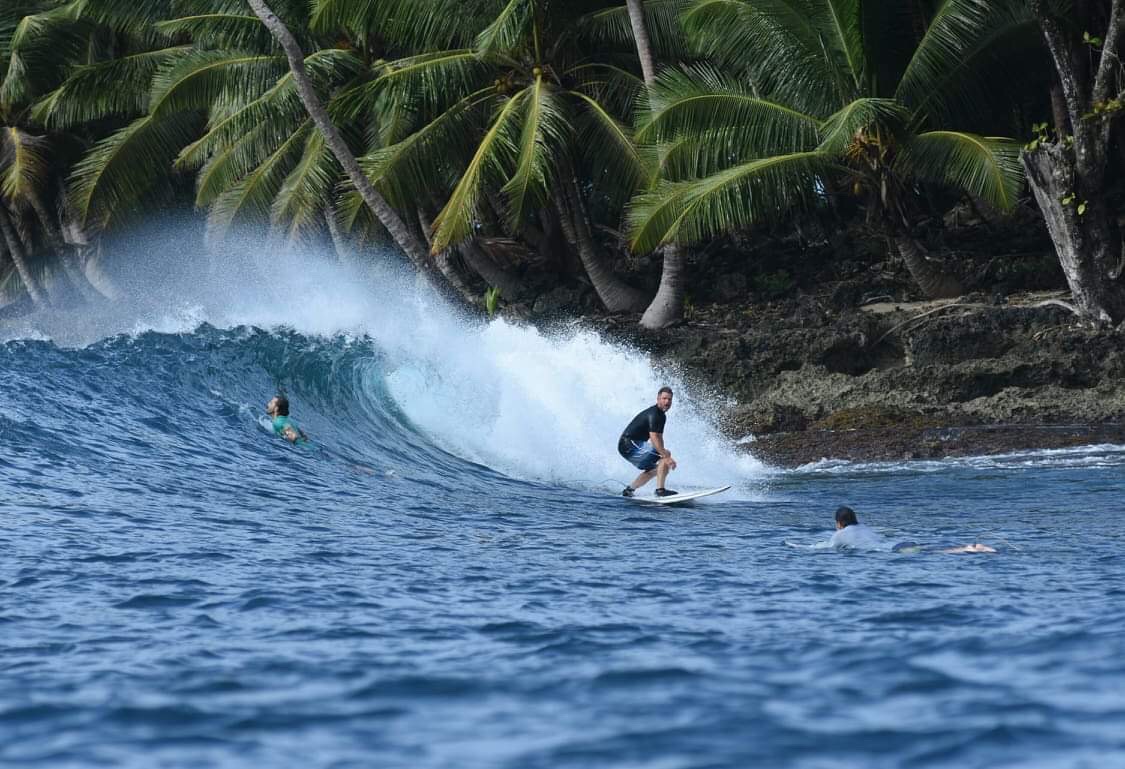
800,98
513,142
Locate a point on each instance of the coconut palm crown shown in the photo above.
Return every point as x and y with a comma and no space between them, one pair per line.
811,96
500,118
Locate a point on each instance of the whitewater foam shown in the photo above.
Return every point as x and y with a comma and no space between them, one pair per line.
535,406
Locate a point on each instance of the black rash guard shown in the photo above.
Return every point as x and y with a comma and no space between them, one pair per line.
651,420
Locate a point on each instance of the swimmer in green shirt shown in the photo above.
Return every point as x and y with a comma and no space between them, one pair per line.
278,409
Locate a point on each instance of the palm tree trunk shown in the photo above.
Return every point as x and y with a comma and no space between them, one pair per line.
339,243
15,250
935,283
494,275
444,261
66,255
667,306
390,219
640,36
615,294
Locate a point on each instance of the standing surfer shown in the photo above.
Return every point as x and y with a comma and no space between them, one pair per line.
642,445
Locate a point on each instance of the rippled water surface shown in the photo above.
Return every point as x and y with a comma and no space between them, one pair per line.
445,577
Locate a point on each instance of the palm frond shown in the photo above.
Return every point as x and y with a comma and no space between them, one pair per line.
776,44
611,27
123,168
114,88
41,47
697,155
618,90
761,190
24,165
199,79
840,23
542,139
252,197
426,25
494,152
304,194
509,28
958,33
231,163
987,167
430,77
866,115
221,30
699,99
609,147
280,106
423,162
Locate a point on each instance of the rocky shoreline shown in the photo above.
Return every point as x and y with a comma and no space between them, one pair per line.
810,380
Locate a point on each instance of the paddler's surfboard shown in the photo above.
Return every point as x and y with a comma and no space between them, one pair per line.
687,496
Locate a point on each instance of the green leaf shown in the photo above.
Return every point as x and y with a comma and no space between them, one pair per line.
454,223
543,135
251,198
761,190
884,115
122,169
509,28
985,166
24,165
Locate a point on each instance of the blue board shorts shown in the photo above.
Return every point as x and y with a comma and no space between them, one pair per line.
641,455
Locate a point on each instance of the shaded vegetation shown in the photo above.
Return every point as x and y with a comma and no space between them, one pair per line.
538,156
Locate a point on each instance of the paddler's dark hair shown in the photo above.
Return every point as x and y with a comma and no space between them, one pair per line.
282,406
846,516
663,390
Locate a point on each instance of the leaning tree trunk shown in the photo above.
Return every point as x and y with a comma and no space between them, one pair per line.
640,36
444,260
15,250
1087,243
615,294
339,242
935,283
383,211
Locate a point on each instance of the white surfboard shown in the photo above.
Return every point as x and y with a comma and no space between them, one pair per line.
686,496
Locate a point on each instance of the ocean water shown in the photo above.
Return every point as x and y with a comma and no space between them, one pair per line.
446,577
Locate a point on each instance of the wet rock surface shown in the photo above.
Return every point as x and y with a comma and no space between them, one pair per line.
810,380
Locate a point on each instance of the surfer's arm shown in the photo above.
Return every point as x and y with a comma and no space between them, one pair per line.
657,441
291,434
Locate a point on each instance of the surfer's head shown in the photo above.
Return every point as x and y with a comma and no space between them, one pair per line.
278,406
845,517
664,398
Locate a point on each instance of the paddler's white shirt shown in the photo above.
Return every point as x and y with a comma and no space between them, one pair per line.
859,537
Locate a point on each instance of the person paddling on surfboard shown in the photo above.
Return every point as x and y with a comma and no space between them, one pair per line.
642,445
278,409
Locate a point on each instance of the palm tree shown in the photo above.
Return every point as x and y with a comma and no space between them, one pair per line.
504,113
40,40
662,16
820,95
331,136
